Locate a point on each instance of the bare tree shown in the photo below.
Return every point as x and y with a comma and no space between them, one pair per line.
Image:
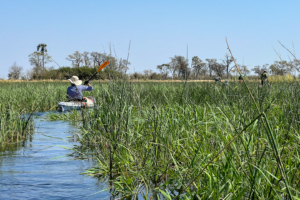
76,58
97,58
227,61
210,65
198,65
244,69
29,74
86,58
15,71
123,66
147,73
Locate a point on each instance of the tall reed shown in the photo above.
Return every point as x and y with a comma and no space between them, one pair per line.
18,100
156,138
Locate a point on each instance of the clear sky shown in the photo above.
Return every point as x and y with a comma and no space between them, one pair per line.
158,30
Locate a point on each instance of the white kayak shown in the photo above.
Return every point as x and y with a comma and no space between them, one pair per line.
76,105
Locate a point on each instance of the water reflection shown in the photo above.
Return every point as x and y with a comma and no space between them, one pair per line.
38,169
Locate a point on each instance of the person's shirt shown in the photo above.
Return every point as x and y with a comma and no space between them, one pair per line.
73,92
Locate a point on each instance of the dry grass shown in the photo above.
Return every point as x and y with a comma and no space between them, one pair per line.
275,78
31,81
280,79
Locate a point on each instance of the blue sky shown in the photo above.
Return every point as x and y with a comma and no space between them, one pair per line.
158,30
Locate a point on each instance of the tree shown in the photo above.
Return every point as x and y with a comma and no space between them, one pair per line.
123,66
173,67
113,63
147,73
164,69
155,76
42,48
259,70
218,68
180,64
210,65
15,71
76,58
136,75
281,68
296,64
227,61
244,69
198,65
86,59
29,74
37,60
98,58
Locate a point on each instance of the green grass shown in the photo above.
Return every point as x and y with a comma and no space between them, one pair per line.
156,138
19,99
199,140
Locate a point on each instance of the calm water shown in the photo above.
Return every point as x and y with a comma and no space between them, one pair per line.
31,171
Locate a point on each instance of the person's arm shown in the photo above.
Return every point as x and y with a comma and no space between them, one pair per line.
87,88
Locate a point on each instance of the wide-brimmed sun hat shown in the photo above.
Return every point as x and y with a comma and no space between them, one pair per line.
75,80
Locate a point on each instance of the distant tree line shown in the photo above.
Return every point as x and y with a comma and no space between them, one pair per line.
178,67
82,64
86,63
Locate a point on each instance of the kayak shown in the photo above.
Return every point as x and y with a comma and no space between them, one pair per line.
76,105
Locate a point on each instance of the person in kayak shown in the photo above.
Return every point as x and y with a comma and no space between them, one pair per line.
74,92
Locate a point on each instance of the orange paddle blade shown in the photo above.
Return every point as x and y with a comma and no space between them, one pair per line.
103,65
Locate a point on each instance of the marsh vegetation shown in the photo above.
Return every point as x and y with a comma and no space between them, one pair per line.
183,140
195,140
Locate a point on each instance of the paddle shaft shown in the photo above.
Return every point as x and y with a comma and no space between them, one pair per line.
92,76
99,69
87,82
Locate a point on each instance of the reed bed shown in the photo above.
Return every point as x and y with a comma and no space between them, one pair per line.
163,140
17,102
181,140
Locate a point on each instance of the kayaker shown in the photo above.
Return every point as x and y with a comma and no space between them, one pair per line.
226,82
74,92
240,78
264,77
217,79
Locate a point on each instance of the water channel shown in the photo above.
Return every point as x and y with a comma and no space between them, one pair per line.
41,168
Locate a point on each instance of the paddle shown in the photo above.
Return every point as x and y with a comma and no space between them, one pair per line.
99,69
